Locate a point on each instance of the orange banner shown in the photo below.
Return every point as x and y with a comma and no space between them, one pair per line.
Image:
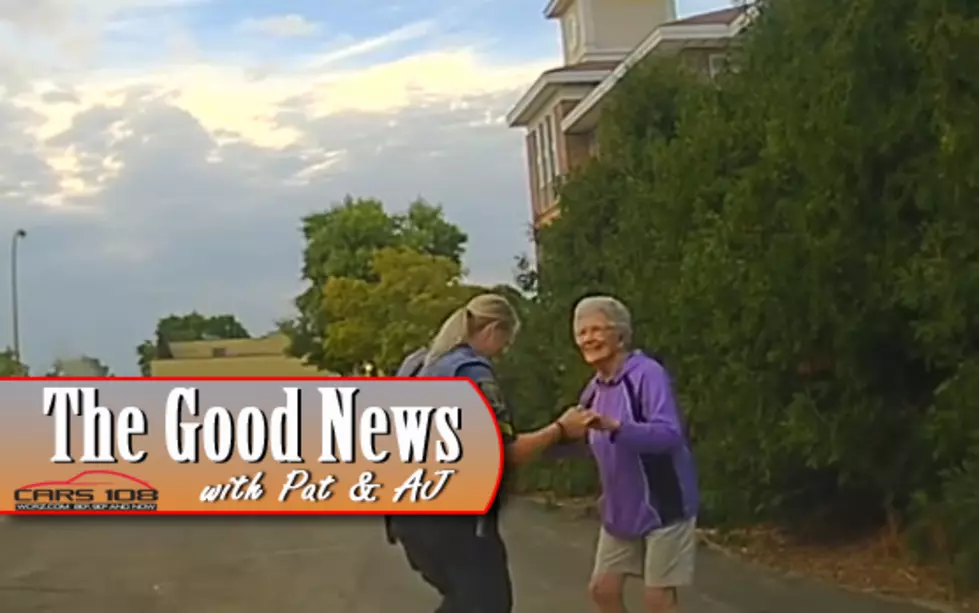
254,446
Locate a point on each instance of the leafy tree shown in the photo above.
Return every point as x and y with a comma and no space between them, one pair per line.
82,366
10,366
525,275
342,243
382,319
190,327
800,243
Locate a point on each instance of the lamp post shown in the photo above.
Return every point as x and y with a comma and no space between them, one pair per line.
18,234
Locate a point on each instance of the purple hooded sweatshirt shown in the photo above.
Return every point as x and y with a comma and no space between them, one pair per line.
647,471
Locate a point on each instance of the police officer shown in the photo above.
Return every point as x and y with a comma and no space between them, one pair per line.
463,557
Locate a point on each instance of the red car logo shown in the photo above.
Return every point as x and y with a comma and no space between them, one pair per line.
89,478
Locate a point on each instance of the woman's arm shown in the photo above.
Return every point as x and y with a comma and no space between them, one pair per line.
527,446
661,431
556,438
524,447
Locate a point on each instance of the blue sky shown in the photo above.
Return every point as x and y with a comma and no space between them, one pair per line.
160,153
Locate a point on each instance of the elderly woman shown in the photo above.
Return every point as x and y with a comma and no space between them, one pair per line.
649,486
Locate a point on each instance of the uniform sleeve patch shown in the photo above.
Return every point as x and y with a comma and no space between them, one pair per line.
494,396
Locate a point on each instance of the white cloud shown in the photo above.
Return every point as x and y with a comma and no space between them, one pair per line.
181,186
285,26
235,108
405,33
66,17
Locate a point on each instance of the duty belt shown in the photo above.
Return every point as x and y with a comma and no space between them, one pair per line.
391,531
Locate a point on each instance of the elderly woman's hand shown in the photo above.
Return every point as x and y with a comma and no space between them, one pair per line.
608,424
576,421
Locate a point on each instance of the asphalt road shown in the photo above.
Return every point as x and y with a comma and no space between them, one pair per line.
333,565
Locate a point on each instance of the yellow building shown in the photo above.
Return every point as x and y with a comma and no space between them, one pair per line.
601,41
240,357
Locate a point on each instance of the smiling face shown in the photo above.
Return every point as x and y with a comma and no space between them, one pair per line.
597,339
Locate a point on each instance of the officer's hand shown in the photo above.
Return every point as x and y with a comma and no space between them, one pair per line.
576,421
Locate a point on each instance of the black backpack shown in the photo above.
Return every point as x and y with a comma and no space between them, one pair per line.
389,531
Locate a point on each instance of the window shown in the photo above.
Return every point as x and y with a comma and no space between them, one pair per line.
544,136
533,164
532,156
549,149
539,156
590,144
552,128
716,64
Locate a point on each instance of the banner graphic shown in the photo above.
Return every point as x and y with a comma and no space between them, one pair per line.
247,446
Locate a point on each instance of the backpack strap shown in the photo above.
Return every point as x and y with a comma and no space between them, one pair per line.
389,530
415,363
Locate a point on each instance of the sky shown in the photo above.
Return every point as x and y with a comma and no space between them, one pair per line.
161,153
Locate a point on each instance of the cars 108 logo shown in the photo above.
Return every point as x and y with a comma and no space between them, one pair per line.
91,490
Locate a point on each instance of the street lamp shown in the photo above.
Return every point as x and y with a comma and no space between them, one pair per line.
19,234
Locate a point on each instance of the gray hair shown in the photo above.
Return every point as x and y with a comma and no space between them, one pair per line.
612,309
480,312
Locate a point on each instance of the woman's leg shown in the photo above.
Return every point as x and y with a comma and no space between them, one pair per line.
669,564
429,557
479,576
615,559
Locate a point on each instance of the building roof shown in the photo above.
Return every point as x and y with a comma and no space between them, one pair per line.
556,8
237,366
587,74
722,17
274,344
602,75
719,25
582,67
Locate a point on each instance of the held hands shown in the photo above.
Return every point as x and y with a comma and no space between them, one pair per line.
606,423
576,421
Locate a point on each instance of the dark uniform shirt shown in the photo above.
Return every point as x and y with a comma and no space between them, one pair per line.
480,374
485,379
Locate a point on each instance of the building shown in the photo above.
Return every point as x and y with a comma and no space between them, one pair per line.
601,40
240,357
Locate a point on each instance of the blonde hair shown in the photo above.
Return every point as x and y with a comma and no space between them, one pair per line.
482,311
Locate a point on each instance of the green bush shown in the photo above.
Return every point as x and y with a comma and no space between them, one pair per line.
801,244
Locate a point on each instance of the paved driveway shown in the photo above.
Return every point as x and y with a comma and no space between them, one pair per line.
331,565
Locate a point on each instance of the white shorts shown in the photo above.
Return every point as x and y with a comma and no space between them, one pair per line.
663,558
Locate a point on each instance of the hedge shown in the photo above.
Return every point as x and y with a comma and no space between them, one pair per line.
800,241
